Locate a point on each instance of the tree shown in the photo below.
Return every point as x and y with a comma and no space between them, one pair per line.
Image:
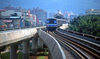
89,24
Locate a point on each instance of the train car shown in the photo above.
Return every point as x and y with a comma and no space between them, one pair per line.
60,19
51,24
60,22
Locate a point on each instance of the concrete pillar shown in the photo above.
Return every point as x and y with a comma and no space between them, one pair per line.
49,55
26,49
40,43
34,46
13,51
0,54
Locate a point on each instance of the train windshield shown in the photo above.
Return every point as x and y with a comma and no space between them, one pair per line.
51,21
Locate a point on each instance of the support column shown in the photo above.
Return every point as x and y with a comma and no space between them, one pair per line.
13,51
0,54
40,43
34,46
49,55
25,49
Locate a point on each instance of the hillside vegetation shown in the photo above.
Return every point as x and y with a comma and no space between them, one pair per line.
89,24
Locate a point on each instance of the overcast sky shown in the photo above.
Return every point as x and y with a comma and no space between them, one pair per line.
76,6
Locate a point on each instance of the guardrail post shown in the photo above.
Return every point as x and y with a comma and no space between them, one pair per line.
26,49
40,43
13,51
34,45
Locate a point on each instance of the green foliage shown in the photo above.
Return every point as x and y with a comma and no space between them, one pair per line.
7,55
89,24
41,57
20,54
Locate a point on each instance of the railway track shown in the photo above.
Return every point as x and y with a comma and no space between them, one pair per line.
87,37
81,49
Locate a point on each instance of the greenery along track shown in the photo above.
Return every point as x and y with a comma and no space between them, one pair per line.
89,24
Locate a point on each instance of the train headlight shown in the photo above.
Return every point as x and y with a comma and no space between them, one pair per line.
55,22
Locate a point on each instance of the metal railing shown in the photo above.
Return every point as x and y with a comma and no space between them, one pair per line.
83,34
88,46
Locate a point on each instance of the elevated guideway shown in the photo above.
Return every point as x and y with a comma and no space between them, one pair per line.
53,45
13,38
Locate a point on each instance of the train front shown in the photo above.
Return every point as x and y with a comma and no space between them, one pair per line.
51,24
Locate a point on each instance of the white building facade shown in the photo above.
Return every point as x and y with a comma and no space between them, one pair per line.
93,11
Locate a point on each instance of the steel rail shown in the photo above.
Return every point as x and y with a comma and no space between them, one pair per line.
79,54
82,44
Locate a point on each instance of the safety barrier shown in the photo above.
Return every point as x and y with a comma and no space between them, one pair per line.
12,36
83,34
53,45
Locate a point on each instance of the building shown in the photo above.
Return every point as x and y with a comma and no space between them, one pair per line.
59,15
11,18
40,14
11,22
10,7
10,13
51,15
30,19
93,11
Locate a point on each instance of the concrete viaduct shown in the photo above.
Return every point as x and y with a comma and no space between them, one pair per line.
22,36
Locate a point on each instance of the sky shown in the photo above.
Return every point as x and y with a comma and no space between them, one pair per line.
76,6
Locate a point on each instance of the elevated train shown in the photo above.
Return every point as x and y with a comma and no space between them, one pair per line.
53,23
56,22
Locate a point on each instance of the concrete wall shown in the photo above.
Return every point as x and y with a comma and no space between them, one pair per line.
53,45
12,36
